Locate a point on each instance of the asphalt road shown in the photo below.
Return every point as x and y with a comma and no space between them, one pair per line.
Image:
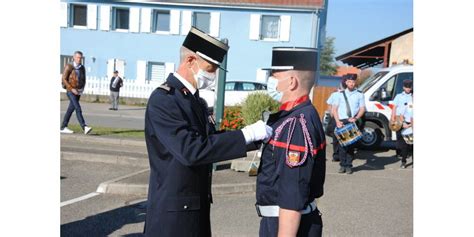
374,201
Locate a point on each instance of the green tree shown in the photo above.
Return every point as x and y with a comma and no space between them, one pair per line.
328,66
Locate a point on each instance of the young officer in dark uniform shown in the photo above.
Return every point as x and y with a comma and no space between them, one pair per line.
182,143
348,111
293,164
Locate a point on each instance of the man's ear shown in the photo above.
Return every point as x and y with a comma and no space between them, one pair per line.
190,60
294,83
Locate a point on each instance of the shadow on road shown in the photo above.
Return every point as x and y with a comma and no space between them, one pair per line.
144,108
106,223
373,161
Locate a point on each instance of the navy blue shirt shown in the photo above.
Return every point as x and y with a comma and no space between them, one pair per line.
292,187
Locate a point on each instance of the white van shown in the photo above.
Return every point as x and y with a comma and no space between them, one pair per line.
379,91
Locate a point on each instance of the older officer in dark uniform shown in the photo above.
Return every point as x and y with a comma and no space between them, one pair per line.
293,164
182,143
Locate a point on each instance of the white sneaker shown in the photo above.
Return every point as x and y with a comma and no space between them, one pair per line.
66,130
87,129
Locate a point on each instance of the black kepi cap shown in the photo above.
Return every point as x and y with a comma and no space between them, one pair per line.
407,83
206,46
294,58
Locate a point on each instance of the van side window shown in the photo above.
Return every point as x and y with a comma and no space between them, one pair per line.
386,92
400,79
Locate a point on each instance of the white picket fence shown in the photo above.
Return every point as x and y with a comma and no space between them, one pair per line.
101,86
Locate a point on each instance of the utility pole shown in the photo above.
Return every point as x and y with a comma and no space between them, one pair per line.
220,90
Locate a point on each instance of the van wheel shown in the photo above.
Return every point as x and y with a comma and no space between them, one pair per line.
372,136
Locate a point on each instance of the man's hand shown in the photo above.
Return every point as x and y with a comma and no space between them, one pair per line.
339,124
405,125
351,120
256,132
74,91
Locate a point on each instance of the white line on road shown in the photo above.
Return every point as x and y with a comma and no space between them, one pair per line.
78,199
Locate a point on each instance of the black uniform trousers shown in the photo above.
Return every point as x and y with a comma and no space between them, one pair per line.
403,147
311,225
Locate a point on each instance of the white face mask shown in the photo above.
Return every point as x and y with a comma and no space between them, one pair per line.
272,85
204,79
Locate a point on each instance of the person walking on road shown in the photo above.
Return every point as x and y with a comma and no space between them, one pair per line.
74,81
182,143
115,83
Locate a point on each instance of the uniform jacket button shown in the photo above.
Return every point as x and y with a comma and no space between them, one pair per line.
185,207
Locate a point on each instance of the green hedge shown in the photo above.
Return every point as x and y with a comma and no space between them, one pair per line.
255,104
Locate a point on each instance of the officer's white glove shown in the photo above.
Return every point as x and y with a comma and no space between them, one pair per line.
256,132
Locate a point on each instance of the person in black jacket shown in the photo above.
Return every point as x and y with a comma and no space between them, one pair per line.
182,143
115,83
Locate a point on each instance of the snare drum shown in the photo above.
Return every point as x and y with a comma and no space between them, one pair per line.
407,134
348,134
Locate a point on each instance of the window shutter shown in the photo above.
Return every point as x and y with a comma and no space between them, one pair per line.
285,28
187,20
64,15
120,66
110,68
146,20
157,73
262,75
254,33
105,18
215,20
174,22
92,16
134,19
169,68
141,72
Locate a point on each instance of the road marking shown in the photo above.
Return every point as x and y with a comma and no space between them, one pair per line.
78,199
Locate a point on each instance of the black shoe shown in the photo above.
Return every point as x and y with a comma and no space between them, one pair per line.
403,165
111,108
342,170
335,160
348,170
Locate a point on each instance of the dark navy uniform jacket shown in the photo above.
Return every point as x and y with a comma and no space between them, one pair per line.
292,187
182,145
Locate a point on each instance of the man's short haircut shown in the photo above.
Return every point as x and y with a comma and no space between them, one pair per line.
306,79
184,52
78,52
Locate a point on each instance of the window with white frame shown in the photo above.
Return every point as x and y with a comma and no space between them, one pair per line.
202,21
78,15
161,21
121,18
270,27
156,72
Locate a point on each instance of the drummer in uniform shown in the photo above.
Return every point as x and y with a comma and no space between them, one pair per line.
292,169
403,106
349,108
331,124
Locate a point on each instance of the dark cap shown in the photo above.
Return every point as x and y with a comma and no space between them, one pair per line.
349,76
205,46
407,83
293,58
115,71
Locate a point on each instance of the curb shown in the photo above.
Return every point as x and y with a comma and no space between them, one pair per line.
115,187
103,140
105,158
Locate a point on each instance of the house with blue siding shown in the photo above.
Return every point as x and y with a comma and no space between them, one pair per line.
141,39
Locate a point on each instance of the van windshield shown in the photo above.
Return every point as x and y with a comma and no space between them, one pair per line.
369,82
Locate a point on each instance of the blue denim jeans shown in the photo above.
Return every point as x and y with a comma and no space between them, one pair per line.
73,105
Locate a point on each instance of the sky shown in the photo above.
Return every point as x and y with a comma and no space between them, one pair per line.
355,23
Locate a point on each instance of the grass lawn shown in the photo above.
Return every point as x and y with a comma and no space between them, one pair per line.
116,132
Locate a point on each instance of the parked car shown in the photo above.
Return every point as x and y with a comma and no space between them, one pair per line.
235,92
